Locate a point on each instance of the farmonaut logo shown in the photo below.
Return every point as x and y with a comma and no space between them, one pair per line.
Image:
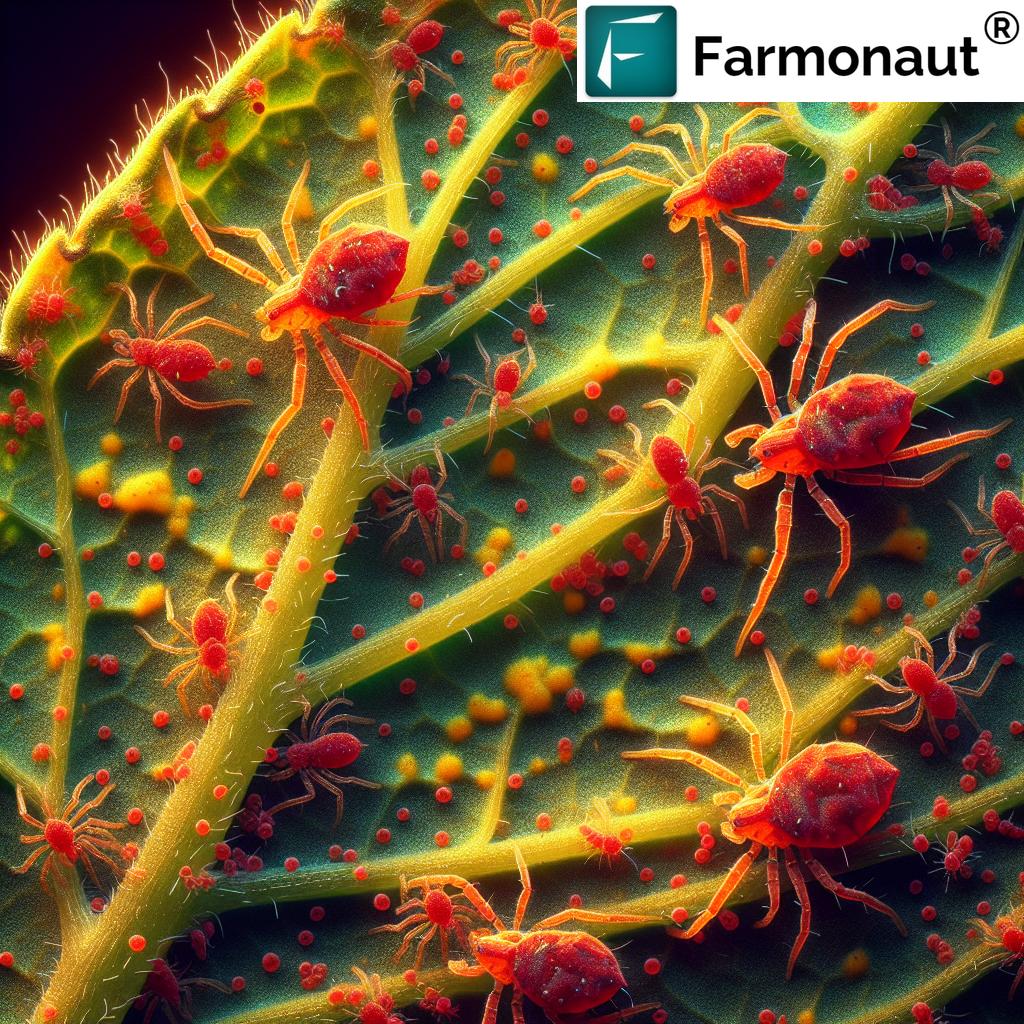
630,50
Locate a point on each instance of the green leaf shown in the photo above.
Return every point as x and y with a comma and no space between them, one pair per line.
491,635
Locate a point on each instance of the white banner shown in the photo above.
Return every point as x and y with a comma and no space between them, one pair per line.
750,50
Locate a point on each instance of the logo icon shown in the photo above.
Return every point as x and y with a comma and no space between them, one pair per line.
630,51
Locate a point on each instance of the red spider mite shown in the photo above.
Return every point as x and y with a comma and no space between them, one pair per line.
165,989
931,689
854,423
210,644
423,917
376,1006
346,276
545,32
52,303
27,356
425,502
599,832
73,836
564,973
827,796
407,56
315,754
1006,532
715,188
501,383
686,496
1006,940
165,358
960,174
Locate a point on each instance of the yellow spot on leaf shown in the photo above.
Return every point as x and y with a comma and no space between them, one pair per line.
535,700
407,767
560,679
908,543
498,541
487,710
585,645
931,599
544,168
485,778
866,606
856,964
448,768
806,1017
177,527
624,805
111,445
223,558
637,654
847,725
757,555
92,481
502,464
150,599
703,731
524,673
367,127
459,729
828,657
146,492
533,681
53,634
538,766
57,592
615,714
573,602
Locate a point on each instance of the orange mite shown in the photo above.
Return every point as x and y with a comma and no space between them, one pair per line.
715,187
73,836
346,276
599,832
544,32
210,643
565,973
435,913
827,796
855,423
1006,938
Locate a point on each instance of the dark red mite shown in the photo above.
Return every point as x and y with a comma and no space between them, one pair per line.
855,423
1006,532
565,973
955,173
687,497
827,796
932,689
716,187
316,754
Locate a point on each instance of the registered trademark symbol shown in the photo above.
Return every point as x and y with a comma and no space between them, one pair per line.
1002,27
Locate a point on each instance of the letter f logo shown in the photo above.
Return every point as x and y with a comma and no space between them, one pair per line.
630,51
604,69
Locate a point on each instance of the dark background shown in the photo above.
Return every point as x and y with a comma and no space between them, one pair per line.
71,75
